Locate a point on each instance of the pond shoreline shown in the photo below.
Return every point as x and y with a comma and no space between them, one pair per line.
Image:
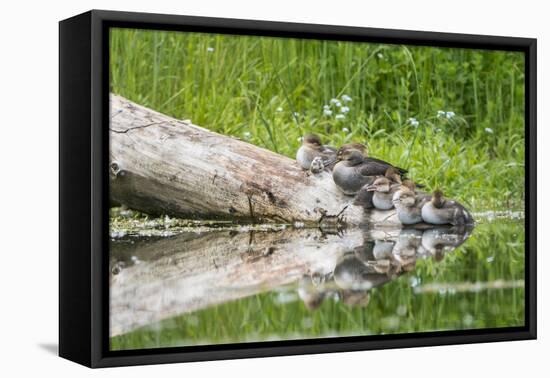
130,223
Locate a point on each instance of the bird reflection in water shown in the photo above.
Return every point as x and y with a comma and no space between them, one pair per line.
377,262
152,280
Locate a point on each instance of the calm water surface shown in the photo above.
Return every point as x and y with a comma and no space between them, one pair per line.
238,286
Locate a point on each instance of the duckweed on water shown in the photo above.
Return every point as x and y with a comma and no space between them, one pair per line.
130,223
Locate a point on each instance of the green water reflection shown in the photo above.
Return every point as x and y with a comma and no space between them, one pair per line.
227,287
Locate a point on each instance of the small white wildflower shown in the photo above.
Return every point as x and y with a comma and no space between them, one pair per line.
490,259
340,116
307,323
296,114
345,129
346,98
449,115
285,297
337,104
299,139
326,107
468,320
414,122
327,112
279,109
210,49
414,281
489,130
192,320
380,56
401,310
247,134
344,109
118,234
440,113
334,100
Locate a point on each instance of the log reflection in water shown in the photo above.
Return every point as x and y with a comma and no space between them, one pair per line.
156,280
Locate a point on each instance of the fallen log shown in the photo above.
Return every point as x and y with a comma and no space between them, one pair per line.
161,165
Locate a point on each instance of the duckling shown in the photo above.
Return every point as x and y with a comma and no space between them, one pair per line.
383,193
384,188
448,237
383,249
438,240
440,210
311,295
317,165
409,184
408,206
413,186
364,197
364,252
355,298
311,148
406,249
382,261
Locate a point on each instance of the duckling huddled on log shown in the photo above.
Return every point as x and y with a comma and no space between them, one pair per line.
313,155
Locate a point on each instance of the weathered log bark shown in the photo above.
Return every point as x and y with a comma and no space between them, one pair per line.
160,164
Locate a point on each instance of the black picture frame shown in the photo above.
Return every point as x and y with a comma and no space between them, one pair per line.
84,192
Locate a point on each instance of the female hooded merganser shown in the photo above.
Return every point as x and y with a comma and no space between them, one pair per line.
312,148
353,171
443,211
352,146
408,206
351,274
382,165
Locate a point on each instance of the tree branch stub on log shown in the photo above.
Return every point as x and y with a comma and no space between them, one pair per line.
159,164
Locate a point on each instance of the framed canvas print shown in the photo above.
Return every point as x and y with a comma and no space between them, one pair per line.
234,188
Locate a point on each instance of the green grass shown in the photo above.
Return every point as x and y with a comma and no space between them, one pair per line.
270,91
494,252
